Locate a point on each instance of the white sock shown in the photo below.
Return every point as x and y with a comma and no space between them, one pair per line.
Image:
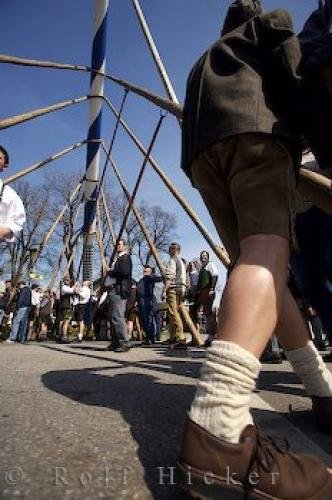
309,366
221,403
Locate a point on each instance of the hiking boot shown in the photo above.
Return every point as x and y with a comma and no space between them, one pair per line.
328,357
321,345
122,348
193,343
322,411
271,358
77,341
64,340
112,347
169,342
180,345
259,468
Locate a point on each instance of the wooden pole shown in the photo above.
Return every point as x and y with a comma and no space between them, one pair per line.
36,166
139,218
36,113
57,267
317,188
137,184
106,209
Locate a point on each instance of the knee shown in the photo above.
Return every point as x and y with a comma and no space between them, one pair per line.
265,248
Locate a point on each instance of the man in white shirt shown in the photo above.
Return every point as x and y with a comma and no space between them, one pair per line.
175,287
67,293
12,212
34,311
83,294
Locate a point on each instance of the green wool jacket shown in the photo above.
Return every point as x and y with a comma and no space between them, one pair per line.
246,82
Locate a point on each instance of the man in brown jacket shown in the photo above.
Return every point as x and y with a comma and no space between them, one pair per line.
241,149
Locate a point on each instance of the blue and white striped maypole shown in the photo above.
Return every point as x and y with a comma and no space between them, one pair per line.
98,62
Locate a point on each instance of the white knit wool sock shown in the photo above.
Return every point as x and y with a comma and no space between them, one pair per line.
308,365
221,403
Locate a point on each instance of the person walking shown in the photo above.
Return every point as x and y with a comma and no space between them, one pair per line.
67,294
206,292
241,149
45,314
19,330
193,273
175,287
147,303
83,298
118,283
34,325
131,312
5,298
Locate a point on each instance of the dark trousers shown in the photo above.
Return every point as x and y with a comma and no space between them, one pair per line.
147,315
313,264
158,321
117,308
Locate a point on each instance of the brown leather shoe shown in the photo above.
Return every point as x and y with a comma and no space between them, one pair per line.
179,346
322,411
257,468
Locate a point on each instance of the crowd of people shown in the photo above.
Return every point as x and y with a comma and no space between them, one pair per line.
183,300
118,308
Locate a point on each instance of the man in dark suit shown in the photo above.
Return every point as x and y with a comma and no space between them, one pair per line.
147,303
117,284
241,148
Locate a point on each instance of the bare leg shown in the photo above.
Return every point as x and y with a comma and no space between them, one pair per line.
65,329
130,328
306,361
255,293
138,328
80,330
252,301
291,329
31,335
43,331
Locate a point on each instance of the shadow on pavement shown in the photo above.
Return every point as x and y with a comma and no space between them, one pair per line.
277,381
85,348
186,367
154,411
162,406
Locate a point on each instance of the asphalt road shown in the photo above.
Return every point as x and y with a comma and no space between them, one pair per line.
79,422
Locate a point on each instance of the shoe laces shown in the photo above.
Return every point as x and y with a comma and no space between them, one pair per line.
265,454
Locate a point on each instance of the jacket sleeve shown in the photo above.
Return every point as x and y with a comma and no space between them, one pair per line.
158,279
280,44
281,53
316,40
16,214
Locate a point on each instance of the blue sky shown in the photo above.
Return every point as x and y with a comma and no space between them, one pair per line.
62,31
